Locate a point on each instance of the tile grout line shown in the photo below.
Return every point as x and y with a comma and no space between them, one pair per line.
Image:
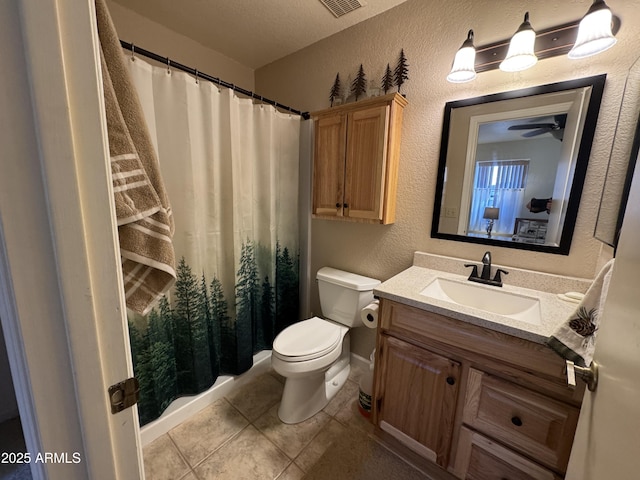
273,443
190,469
223,443
251,422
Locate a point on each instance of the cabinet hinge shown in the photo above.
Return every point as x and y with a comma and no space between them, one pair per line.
124,394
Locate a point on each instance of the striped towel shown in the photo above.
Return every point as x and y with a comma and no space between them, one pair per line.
575,338
145,224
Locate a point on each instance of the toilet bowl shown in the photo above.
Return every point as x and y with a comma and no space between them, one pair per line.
314,355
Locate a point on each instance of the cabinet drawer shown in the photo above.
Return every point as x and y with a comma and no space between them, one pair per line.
480,458
535,425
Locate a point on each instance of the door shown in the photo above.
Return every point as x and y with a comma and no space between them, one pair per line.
366,161
328,166
61,300
608,434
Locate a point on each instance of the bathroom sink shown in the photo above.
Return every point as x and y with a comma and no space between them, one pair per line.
486,298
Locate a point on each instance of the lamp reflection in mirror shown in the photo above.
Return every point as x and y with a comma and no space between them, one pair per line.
521,54
491,214
594,32
463,69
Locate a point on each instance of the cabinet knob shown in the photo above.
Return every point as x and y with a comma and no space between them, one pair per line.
516,421
451,380
345,205
337,205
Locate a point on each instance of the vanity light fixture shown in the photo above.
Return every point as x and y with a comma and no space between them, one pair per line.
592,34
521,54
463,69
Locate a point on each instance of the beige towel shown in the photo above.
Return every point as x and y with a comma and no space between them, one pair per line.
145,224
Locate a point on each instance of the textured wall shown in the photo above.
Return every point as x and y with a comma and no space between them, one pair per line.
430,33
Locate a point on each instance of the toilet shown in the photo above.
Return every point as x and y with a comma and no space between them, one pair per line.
314,355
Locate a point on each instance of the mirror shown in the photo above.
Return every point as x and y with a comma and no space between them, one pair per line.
622,160
512,165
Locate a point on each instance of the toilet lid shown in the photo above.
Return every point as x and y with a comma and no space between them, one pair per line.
308,339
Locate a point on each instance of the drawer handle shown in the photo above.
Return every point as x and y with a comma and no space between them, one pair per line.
516,421
451,380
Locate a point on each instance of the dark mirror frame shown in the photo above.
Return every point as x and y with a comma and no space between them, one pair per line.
584,151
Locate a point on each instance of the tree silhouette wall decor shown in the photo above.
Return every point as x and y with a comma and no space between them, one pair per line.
336,90
387,80
359,85
401,73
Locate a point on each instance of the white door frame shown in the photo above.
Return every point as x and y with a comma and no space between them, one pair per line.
61,300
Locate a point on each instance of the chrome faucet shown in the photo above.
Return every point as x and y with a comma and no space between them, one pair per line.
485,276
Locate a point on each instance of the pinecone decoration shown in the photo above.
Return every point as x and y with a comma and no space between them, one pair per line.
583,323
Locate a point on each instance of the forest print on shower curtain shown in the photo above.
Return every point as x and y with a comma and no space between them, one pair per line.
231,171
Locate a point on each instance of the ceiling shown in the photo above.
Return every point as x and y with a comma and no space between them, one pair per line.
254,32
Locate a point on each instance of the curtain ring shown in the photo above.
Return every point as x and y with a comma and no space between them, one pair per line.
261,102
133,52
168,66
197,76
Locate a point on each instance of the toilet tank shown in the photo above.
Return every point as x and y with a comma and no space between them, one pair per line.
344,294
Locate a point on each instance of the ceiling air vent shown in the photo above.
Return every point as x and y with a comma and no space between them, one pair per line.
341,7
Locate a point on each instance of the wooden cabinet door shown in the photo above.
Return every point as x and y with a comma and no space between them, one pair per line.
365,162
417,398
329,165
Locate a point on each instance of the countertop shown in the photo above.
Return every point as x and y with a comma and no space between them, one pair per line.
406,287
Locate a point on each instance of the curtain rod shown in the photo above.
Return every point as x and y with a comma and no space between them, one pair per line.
196,73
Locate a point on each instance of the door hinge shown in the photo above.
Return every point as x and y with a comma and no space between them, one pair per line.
124,394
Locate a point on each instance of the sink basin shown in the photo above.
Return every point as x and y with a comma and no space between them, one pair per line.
486,298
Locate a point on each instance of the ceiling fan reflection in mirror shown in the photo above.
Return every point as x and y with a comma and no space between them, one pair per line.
556,129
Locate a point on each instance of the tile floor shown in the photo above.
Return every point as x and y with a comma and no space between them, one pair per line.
241,437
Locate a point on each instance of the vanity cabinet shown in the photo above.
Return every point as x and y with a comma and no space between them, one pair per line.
479,403
356,154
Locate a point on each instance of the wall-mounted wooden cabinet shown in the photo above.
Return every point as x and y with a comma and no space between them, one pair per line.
478,403
356,155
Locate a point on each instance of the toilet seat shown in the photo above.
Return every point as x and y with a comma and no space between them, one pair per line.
306,340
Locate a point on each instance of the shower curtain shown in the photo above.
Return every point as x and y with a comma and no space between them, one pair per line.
231,171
